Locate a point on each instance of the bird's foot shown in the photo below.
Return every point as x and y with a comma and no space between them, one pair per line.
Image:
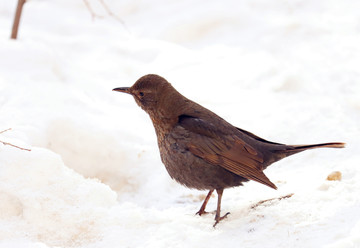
218,218
201,212
203,206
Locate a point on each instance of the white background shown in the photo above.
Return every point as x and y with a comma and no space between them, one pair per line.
287,71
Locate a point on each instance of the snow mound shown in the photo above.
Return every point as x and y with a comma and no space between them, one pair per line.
47,201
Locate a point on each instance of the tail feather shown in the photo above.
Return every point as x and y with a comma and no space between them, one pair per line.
330,145
290,150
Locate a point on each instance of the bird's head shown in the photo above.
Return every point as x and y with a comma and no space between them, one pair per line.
154,95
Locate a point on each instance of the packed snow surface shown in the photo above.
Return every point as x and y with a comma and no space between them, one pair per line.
288,71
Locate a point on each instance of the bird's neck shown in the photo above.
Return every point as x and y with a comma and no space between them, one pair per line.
163,126
166,118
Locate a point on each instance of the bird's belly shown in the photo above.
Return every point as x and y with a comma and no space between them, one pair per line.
193,171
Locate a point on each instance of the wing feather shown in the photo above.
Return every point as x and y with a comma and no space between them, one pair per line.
227,150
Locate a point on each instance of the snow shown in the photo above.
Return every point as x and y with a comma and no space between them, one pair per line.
287,71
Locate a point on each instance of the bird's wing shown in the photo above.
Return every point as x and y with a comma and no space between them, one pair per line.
224,149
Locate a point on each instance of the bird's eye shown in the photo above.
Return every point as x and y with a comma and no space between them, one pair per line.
141,93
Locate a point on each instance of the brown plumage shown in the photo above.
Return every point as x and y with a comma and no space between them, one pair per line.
200,149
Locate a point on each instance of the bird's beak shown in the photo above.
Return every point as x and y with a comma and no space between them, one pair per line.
123,89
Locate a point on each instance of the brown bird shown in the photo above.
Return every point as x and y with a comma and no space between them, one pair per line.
200,149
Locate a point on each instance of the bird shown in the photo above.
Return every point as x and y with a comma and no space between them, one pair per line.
201,150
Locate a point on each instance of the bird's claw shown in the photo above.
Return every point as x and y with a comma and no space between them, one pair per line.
218,219
201,212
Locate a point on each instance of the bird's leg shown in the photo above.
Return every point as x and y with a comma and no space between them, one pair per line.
203,206
218,218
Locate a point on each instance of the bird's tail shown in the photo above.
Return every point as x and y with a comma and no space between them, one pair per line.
290,150
282,151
